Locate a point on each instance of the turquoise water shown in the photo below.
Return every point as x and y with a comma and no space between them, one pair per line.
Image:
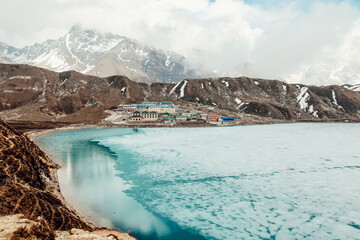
289,181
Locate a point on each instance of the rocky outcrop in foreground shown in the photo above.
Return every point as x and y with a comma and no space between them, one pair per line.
31,205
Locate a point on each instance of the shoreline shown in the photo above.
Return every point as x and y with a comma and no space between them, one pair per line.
31,131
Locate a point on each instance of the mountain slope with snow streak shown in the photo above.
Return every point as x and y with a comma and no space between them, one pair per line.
271,98
29,93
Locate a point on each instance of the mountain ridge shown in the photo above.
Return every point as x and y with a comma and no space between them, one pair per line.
101,54
29,93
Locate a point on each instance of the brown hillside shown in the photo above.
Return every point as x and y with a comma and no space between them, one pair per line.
31,94
28,183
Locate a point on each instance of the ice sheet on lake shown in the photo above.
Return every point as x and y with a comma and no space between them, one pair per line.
231,188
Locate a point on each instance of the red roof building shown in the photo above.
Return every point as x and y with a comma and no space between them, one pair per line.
214,117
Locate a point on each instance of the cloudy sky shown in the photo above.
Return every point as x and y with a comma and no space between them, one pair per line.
296,40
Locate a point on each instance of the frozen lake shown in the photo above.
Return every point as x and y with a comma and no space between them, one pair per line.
289,181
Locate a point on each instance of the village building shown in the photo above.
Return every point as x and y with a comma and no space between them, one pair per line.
189,113
130,107
146,115
207,107
169,119
192,119
226,120
142,107
149,116
165,114
167,103
203,116
213,117
180,118
161,108
135,118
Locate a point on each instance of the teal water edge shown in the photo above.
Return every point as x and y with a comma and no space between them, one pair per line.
288,181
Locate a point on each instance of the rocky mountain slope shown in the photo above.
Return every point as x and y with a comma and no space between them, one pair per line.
33,94
102,55
29,188
272,98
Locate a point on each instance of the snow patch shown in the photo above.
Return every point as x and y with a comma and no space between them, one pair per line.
123,50
335,101
209,83
63,82
167,62
312,112
284,88
182,93
174,88
53,60
123,90
256,82
213,103
202,85
68,48
141,52
226,83
241,103
131,69
197,99
75,90
303,97
355,88
21,77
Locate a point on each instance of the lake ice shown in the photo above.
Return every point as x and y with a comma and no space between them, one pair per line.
288,181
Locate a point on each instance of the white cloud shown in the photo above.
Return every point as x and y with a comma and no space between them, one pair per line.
285,41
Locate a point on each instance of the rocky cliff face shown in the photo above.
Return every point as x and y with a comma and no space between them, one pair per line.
34,94
102,55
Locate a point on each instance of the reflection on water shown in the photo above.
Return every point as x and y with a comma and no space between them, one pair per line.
90,179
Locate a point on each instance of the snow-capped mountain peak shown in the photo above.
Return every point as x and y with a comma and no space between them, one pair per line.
101,54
